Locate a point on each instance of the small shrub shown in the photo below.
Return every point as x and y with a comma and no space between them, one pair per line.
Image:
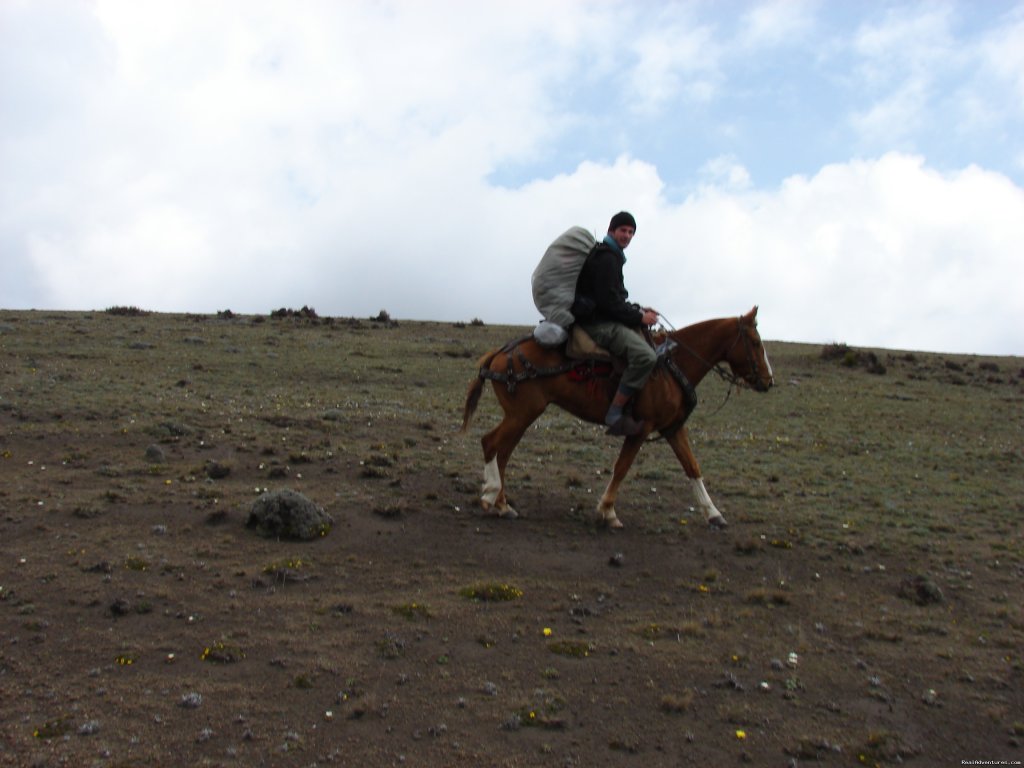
765,596
849,357
747,546
835,351
306,313
673,703
126,311
921,590
885,746
652,631
291,569
572,648
412,610
491,592
53,728
391,647
222,653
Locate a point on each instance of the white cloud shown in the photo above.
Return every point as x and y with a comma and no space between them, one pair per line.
675,57
777,23
864,250
900,60
203,156
727,173
895,118
907,40
1003,53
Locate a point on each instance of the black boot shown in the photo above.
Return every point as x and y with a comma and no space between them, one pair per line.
625,425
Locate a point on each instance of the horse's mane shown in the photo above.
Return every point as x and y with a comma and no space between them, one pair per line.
697,330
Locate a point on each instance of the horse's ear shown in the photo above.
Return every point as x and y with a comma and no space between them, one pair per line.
751,316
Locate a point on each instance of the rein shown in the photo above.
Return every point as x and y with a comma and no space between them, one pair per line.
721,371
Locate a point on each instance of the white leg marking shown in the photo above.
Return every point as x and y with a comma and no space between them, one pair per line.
606,511
771,375
492,489
704,503
492,484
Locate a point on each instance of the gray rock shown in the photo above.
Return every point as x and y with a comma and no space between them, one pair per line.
286,514
155,454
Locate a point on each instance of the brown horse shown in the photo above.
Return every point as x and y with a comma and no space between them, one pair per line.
527,378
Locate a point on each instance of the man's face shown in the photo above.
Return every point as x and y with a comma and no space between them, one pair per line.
623,235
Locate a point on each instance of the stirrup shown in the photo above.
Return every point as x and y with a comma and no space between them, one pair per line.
626,426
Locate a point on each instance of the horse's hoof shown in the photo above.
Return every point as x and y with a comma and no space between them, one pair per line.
508,513
717,523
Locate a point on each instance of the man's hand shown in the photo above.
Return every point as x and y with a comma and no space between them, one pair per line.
650,316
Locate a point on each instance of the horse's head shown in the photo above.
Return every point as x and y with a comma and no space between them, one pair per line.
747,357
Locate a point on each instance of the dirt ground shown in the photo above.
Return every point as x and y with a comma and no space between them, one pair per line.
863,608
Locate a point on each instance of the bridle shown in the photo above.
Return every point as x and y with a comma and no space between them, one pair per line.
721,370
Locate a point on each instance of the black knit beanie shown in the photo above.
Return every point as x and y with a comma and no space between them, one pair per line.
622,219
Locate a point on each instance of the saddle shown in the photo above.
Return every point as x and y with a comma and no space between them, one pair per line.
584,360
581,346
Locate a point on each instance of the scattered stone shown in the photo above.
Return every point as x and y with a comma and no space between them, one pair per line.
217,517
120,607
191,700
729,680
391,510
921,590
90,728
155,454
175,429
217,470
616,560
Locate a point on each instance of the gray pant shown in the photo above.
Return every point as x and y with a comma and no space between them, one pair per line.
629,345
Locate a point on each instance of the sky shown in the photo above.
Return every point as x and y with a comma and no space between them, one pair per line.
855,169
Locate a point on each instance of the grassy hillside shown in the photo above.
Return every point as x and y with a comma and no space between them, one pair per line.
863,608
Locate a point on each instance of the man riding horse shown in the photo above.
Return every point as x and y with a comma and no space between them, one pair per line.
529,374
602,310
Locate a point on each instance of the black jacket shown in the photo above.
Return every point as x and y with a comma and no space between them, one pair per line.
600,292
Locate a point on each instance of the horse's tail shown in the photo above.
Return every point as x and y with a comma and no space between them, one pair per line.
476,389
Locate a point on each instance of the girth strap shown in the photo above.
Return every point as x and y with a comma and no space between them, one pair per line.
689,393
